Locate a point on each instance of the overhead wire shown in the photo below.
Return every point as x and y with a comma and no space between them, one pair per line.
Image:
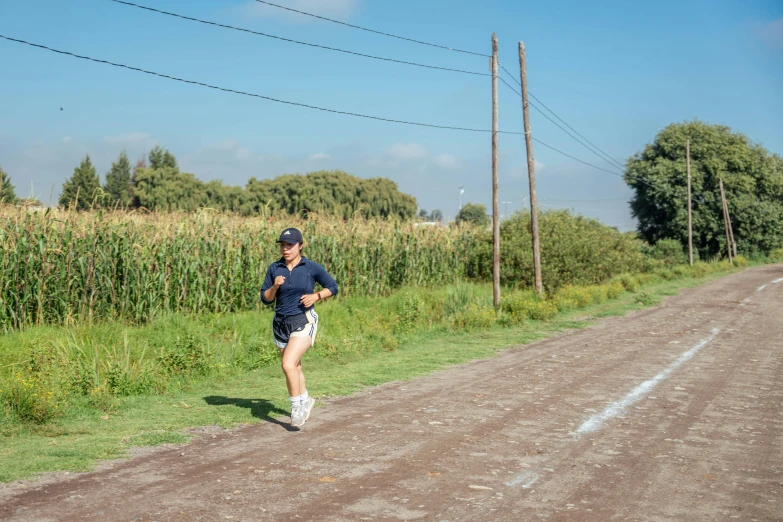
372,30
598,152
254,95
558,150
569,155
534,106
290,40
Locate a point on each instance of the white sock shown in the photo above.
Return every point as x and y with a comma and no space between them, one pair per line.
304,397
294,400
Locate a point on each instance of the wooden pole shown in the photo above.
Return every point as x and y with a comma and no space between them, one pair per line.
731,227
690,209
495,210
726,219
531,170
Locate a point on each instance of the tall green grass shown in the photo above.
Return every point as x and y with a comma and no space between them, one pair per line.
46,370
63,268
67,268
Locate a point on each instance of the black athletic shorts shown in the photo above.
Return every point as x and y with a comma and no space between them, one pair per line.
301,325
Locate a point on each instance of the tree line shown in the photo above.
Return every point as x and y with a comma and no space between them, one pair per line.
156,183
752,177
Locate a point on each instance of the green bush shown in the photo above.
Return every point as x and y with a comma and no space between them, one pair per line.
474,317
741,262
186,357
700,269
31,399
668,251
528,305
629,282
575,250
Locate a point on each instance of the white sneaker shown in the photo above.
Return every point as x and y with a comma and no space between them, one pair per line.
297,415
308,407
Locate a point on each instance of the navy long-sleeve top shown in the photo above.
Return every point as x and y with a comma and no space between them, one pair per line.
298,282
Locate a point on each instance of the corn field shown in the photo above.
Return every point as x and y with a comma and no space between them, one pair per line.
58,267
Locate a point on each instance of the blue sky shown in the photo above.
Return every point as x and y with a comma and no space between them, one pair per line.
617,71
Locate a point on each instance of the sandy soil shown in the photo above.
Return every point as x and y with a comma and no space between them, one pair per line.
673,413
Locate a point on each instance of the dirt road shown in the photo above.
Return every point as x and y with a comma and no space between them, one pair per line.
674,413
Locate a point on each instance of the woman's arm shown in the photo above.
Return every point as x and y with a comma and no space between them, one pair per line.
326,281
270,286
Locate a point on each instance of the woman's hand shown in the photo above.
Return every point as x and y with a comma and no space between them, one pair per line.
279,281
308,300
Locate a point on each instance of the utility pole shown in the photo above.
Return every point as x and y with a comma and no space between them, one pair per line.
461,192
731,227
690,210
726,219
495,210
505,215
531,170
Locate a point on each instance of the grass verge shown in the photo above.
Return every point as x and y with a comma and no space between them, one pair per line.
234,381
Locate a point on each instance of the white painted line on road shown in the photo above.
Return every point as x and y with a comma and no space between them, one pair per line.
594,423
526,478
745,301
762,287
778,280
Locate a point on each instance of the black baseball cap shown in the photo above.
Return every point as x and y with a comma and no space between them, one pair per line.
291,235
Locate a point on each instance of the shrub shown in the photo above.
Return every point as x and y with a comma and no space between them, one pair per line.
409,313
614,289
629,282
474,317
741,262
575,250
528,305
776,255
185,357
31,400
668,251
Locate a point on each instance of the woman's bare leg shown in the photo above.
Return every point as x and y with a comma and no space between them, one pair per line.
292,364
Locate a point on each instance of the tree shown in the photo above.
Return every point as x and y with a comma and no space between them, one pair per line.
83,188
436,215
118,180
422,214
475,213
7,193
161,158
332,192
752,178
169,189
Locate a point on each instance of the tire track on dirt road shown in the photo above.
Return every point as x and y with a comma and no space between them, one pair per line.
445,446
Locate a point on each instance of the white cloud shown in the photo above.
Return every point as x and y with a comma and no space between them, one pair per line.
340,9
319,156
771,32
233,148
407,151
66,139
131,138
446,161
539,165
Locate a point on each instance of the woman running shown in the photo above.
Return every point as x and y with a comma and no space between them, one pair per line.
290,283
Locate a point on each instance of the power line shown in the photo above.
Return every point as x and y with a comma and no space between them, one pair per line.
590,164
258,33
269,98
568,155
554,149
603,155
540,111
586,200
563,153
372,30
614,210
